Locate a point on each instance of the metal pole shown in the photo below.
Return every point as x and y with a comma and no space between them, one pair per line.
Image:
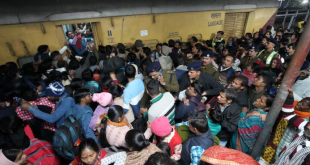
284,18
306,18
288,80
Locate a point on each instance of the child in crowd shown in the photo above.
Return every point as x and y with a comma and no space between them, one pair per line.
166,134
105,101
114,127
83,112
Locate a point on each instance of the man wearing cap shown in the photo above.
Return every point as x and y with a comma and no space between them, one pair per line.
207,66
211,86
267,54
168,81
55,93
301,86
251,57
218,38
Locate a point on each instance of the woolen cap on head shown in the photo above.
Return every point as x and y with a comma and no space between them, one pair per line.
194,65
161,126
221,32
55,89
152,67
103,98
165,62
207,53
139,43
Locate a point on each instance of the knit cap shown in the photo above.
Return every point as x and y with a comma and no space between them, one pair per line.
161,126
102,98
55,89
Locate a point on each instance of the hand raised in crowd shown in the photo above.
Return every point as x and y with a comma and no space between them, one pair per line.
149,124
186,101
142,110
290,92
161,79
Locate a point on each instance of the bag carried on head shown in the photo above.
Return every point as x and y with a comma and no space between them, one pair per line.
68,136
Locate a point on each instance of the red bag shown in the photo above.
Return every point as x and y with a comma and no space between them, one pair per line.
41,152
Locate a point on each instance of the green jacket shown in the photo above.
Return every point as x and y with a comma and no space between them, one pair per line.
212,70
172,85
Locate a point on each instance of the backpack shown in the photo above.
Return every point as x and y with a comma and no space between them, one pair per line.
199,105
41,152
69,135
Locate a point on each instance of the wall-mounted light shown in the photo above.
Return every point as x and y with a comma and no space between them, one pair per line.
305,1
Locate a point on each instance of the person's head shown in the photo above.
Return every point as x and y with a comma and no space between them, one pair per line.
82,96
256,35
69,34
304,70
152,87
277,65
264,102
76,84
248,36
89,31
207,57
92,60
11,73
43,49
195,89
96,75
115,114
104,99
115,90
56,56
228,61
198,122
136,140
161,127
11,124
9,155
87,74
280,32
130,71
159,158
303,105
215,116
55,91
131,57
74,64
61,64
29,94
165,148
196,48
120,48
270,44
263,81
153,70
291,48
88,151
106,82
240,82
193,39
227,96
171,43
194,70
177,45
253,51
264,41
268,34
219,34
242,46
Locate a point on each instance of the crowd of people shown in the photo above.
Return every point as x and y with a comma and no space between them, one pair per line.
195,102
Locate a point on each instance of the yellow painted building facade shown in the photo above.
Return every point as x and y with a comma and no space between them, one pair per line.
125,29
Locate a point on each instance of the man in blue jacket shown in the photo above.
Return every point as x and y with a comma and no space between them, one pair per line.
56,93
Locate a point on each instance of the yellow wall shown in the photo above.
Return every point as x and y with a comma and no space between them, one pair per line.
125,30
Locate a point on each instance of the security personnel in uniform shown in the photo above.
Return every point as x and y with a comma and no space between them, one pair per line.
267,54
251,57
167,80
207,65
218,38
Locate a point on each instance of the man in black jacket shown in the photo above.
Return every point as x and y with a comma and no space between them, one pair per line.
225,103
211,86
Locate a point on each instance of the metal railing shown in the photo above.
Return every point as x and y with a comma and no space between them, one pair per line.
293,14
